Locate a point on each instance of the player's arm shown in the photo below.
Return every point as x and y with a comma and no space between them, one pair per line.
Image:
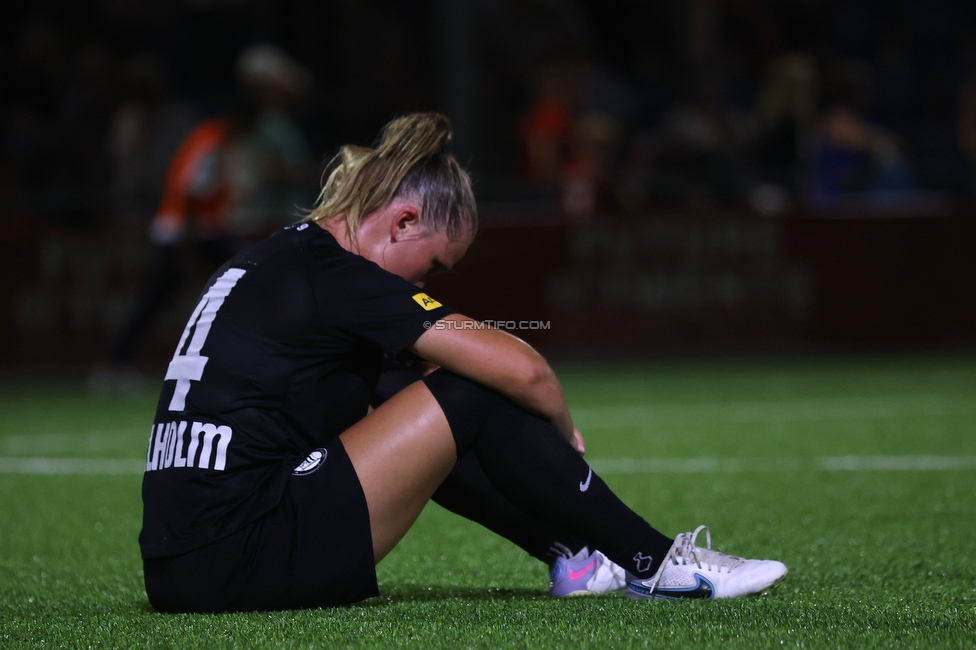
502,362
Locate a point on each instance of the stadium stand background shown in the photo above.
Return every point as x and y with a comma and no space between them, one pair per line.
680,176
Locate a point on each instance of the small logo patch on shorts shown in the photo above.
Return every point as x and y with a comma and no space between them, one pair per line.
314,461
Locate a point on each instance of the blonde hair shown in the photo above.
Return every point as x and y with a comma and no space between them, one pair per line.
409,160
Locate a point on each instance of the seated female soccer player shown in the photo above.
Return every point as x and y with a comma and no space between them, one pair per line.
270,485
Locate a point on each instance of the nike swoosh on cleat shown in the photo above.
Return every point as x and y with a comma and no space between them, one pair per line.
584,486
575,575
703,589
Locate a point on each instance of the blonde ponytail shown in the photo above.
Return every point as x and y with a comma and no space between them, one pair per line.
410,160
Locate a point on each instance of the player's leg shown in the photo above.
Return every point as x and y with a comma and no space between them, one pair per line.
405,449
401,452
574,568
467,491
533,465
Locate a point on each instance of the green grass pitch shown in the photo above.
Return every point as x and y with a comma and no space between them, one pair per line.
859,473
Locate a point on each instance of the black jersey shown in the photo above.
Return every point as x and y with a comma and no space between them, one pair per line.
280,356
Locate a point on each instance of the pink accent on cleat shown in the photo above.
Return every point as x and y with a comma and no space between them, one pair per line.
585,573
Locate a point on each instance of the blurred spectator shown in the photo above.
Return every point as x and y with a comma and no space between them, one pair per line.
785,114
231,178
548,126
248,173
282,175
695,149
589,173
571,135
196,205
850,156
688,86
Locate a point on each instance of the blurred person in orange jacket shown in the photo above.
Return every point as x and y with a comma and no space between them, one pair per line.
233,178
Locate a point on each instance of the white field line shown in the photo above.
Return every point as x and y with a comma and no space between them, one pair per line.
114,466
822,463
100,466
763,411
602,417
59,444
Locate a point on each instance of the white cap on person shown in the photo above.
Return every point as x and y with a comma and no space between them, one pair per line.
268,64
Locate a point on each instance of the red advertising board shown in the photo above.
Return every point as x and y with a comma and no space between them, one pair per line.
675,281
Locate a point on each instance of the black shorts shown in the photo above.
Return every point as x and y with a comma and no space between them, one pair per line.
314,550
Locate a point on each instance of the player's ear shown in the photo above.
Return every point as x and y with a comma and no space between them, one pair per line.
406,223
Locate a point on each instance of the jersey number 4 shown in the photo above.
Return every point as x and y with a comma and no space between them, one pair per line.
187,365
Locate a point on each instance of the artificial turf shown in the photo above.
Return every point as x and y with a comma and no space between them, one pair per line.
780,458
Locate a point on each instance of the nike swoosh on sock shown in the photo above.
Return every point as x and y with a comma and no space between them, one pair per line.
584,486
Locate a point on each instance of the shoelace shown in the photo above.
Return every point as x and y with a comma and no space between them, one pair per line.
685,551
561,550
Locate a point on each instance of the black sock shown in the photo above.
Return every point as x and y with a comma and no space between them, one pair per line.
536,469
467,491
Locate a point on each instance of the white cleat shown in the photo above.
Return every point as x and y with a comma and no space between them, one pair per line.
689,571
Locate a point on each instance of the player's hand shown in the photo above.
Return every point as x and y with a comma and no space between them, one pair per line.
578,442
